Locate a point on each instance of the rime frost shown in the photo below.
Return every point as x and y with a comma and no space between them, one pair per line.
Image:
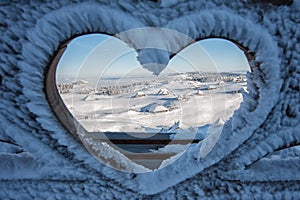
53,163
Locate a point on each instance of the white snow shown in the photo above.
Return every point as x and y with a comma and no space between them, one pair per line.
194,108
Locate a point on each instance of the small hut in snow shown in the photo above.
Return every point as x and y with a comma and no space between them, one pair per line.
154,108
139,94
163,92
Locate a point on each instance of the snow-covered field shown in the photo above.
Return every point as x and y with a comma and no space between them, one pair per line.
154,104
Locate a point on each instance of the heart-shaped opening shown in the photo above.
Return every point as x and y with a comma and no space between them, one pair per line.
42,43
108,98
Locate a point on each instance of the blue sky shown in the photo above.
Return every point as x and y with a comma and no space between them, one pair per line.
97,55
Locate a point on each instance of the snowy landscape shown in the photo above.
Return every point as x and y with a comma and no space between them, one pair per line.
177,102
